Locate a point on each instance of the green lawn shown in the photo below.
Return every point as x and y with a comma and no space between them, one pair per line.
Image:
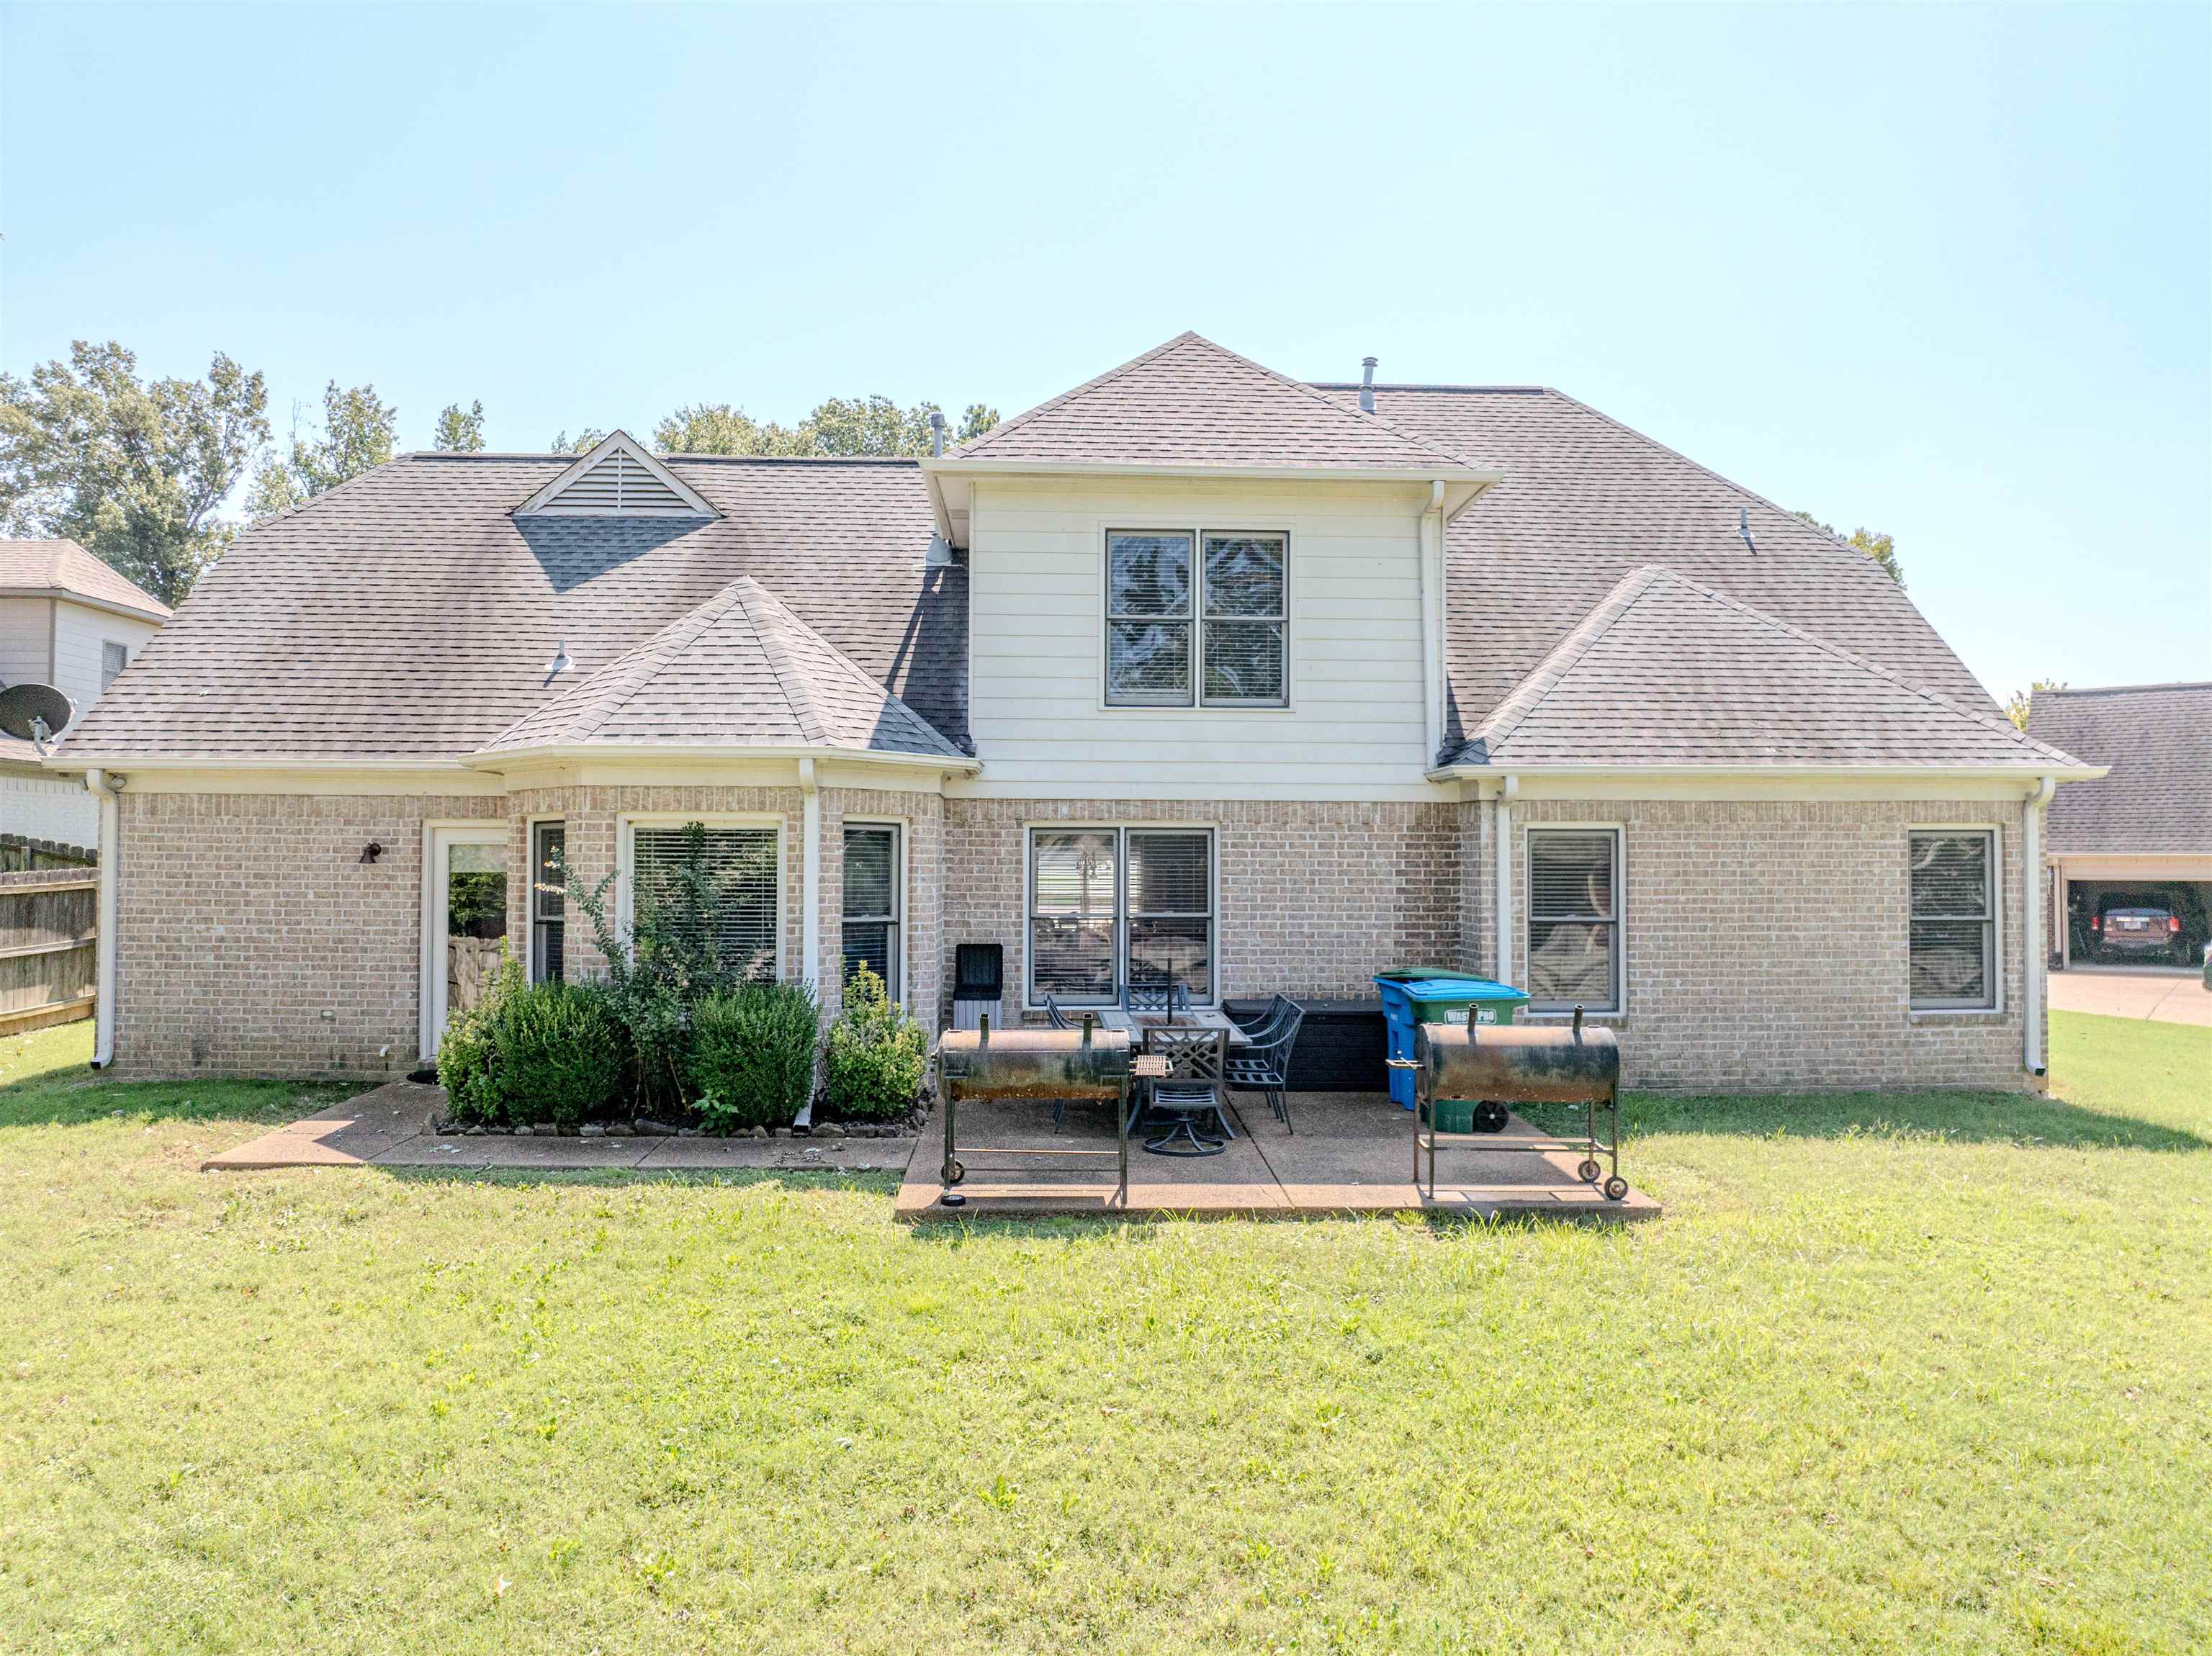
1908,1374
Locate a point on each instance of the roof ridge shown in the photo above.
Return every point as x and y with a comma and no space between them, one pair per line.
2128,689
1022,419
1988,721
1319,396
1559,660
628,673
787,615
798,690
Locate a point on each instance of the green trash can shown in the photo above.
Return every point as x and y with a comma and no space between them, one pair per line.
1436,994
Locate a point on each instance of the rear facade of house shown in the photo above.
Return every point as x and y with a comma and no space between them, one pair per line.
1196,671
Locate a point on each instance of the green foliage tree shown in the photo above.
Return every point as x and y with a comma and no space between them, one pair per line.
135,473
357,435
864,426
876,1056
721,429
1872,542
2017,704
461,431
582,443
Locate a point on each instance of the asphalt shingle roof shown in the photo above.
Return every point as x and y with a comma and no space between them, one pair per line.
2158,740
1191,402
739,671
1666,672
406,615
63,567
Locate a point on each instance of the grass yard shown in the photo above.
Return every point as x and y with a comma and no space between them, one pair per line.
1909,1373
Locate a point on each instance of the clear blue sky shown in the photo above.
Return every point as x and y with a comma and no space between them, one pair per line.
1946,273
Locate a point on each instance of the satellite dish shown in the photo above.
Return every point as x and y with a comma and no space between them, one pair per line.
34,713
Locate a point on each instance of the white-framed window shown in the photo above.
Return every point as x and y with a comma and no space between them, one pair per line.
875,902
1197,618
549,918
1954,946
744,859
114,659
1110,906
1572,947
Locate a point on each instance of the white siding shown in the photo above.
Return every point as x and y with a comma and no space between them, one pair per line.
49,808
1353,730
26,626
79,633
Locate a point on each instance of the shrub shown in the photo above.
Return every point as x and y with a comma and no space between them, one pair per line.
752,1054
467,1065
875,1054
558,1053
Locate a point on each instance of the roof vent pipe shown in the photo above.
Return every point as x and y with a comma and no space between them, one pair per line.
1367,384
936,434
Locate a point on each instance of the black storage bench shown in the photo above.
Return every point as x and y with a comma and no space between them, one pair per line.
1341,1044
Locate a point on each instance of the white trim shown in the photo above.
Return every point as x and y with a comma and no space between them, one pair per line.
440,834
694,504
1619,922
58,596
2032,967
1120,827
902,828
810,879
628,822
106,952
2019,775
1502,816
1998,1005
498,759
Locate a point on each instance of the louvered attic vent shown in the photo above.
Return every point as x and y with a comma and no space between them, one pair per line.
618,479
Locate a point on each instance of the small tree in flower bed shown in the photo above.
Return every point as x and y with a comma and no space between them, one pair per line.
876,1053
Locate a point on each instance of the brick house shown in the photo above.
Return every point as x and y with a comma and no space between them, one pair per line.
1196,669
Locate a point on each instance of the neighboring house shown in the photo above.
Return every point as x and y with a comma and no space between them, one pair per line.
2140,837
1195,670
67,620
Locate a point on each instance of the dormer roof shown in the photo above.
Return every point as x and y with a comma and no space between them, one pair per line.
617,479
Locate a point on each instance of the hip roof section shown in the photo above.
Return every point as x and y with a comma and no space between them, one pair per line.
2158,740
62,569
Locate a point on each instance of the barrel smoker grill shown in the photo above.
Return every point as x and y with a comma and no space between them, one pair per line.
1502,1064
1043,1066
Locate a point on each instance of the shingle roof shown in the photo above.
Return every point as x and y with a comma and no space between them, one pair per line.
739,671
49,566
2158,740
1666,672
1191,402
1584,500
407,615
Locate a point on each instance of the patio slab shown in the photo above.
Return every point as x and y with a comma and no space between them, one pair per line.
345,1135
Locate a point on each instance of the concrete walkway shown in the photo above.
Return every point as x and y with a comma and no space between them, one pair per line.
2162,994
1353,1154
390,1128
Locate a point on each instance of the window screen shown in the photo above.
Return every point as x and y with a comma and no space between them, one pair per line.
741,861
1148,621
549,923
1954,944
871,902
1574,920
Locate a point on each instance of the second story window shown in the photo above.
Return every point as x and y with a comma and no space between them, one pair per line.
1184,630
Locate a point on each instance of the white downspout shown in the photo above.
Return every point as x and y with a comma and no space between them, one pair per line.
109,788
2031,930
1431,576
1506,794
810,879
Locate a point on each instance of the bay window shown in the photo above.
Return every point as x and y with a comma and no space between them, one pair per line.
741,865
548,921
1110,907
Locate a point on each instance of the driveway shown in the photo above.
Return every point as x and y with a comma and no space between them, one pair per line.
2164,994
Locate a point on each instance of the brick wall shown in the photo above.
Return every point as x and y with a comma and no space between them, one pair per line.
1313,896
1766,945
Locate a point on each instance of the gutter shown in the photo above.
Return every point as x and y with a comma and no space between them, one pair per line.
1430,574
810,882
2034,969
1698,773
109,787
1509,791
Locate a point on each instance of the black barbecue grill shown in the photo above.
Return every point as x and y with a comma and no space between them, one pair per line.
1033,1066
1504,1065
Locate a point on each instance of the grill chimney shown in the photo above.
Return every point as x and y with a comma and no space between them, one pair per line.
936,434
1367,384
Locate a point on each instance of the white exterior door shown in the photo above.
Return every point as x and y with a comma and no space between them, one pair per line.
463,920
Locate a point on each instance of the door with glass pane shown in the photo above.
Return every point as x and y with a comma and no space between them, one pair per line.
871,902
464,922
1110,907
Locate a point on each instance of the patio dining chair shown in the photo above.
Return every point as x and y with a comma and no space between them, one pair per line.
1264,1026
1264,1067
1156,996
1189,1093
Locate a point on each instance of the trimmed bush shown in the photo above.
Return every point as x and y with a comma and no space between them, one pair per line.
752,1055
467,1065
558,1052
875,1055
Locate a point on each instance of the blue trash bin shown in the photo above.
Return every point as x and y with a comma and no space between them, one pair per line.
1430,995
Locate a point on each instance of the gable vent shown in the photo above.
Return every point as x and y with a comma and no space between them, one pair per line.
618,479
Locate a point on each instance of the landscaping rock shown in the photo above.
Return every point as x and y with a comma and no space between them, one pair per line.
690,1132
645,1129
831,1130
760,1132
594,1130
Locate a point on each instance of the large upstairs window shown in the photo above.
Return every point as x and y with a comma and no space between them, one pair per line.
1197,618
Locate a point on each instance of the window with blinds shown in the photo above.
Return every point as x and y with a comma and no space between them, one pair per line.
1573,944
549,919
1110,907
742,863
1217,635
1954,948
872,870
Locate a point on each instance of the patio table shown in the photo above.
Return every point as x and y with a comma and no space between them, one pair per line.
1199,1018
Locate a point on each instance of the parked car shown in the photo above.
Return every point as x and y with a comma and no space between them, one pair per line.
2138,932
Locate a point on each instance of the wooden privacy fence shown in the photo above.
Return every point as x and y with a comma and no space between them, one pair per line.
49,946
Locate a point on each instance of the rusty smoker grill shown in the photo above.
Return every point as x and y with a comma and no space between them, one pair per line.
1504,1065
981,1066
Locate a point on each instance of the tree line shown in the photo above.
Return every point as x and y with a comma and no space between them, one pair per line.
139,472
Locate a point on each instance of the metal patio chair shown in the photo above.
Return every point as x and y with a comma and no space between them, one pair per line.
1264,1067
1189,1092
1156,996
